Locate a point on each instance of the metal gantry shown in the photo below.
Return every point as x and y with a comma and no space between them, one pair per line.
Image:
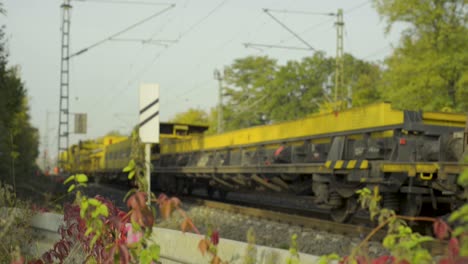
64,103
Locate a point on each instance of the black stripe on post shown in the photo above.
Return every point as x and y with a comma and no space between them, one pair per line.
148,119
148,106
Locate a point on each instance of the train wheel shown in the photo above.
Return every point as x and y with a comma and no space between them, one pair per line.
222,194
210,191
180,186
411,205
344,212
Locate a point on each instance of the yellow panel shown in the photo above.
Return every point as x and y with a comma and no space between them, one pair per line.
372,116
444,119
339,164
364,164
351,164
327,164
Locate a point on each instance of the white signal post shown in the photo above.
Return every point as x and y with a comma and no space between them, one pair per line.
148,127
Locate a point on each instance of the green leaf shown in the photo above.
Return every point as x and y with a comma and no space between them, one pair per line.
83,208
94,202
71,188
81,178
145,257
389,241
459,230
69,179
103,210
131,174
155,251
93,241
88,231
130,166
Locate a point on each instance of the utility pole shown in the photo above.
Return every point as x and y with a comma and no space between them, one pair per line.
64,104
46,144
217,76
339,72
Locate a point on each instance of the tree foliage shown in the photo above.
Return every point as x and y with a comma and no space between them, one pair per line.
192,116
429,69
246,85
18,140
260,91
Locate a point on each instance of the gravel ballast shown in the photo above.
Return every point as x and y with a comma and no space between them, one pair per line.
268,233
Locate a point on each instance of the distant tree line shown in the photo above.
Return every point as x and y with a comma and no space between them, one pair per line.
428,70
18,138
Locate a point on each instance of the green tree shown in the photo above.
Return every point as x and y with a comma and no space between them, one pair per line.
363,78
193,116
297,89
429,69
246,82
18,140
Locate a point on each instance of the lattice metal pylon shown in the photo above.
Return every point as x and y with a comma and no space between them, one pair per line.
64,103
339,73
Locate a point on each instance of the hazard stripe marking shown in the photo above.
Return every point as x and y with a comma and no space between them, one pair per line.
351,164
339,164
148,119
148,106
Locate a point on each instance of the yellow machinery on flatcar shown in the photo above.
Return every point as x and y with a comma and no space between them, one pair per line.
412,156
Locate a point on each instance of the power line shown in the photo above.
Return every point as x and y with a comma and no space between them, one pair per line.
288,29
347,11
190,29
253,45
121,32
159,42
203,19
123,2
356,7
300,12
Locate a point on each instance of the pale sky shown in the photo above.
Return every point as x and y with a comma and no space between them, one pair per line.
104,81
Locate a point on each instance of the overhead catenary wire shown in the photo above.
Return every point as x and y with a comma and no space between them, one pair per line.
288,29
188,31
123,2
191,28
121,31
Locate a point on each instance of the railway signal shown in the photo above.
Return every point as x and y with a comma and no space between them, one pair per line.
148,127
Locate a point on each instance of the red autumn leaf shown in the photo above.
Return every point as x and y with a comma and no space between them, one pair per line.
148,218
203,246
124,254
166,209
162,198
175,202
215,237
137,200
441,229
184,225
454,247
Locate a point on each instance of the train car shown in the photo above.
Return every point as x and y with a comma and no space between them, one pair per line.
86,156
414,157
104,158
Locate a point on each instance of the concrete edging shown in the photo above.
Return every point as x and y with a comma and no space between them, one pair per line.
178,247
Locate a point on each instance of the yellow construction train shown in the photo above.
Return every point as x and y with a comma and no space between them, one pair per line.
414,157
